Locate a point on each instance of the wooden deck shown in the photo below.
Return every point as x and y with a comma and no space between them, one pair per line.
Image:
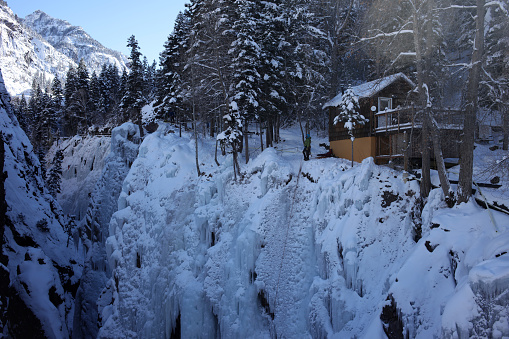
393,129
404,118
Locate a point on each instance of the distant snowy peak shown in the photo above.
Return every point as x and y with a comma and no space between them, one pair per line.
25,55
74,42
40,47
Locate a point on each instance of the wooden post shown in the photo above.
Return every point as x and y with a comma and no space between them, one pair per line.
352,149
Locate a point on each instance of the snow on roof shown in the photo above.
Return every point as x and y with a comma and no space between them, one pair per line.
368,89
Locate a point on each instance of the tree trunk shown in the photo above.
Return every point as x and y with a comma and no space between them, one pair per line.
140,125
246,142
268,136
406,152
426,176
195,139
261,135
467,144
505,112
439,158
234,155
215,153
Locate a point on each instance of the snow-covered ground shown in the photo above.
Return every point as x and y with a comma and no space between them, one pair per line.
296,249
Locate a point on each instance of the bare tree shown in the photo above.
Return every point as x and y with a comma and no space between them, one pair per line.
405,31
471,106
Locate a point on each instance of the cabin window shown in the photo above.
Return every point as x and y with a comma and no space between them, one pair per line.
384,120
384,103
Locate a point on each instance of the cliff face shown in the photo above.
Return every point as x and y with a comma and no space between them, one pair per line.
40,264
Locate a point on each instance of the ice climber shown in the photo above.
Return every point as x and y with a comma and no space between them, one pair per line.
307,147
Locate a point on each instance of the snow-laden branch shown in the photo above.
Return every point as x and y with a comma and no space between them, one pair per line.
500,5
401,55
454,7
387,35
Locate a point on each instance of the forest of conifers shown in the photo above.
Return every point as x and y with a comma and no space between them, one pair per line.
266,64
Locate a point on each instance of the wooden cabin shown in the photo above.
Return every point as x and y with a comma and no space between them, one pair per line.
394,123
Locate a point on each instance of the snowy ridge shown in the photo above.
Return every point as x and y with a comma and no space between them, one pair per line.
25,55
74,42
43,265
41,47
313,249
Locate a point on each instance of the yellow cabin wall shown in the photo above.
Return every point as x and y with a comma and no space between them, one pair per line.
362,148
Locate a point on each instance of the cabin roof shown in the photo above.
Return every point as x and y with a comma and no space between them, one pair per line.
368,89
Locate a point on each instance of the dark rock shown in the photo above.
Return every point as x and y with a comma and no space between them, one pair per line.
392,323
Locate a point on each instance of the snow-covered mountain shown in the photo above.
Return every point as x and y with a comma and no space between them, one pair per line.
25,55
41,47
74,42
40,265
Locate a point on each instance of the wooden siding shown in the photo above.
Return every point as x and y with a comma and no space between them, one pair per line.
399,92
390,130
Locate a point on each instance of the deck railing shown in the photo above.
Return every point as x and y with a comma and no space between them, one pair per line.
404,118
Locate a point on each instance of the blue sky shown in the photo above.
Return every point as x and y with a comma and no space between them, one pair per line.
112,22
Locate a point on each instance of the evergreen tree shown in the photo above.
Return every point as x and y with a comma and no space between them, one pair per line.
95,106
69,122
232,137
41,153
349,114
170,95
80,98
21,111
133,100
57,97
246,56
55,175
109,84
272,37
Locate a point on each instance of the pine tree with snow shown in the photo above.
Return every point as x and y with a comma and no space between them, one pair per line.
232,136
349,114
21,112
95,106
133,100
109,80
69,123
41,156
271,35
171,90
246,54
55,174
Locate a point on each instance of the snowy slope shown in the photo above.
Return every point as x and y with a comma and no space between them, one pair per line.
40,258
74,42
25,55
295,249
